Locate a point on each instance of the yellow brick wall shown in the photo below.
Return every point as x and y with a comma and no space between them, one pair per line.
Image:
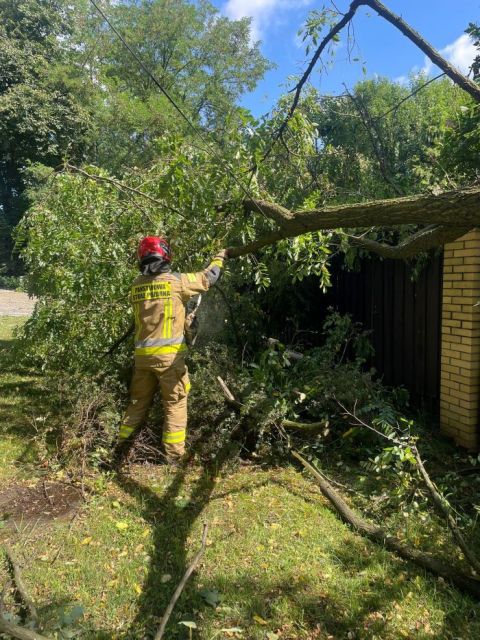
460,348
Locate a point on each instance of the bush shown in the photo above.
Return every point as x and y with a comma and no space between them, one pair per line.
278,385
15,283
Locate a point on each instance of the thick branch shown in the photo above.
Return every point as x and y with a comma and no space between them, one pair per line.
20,585
15,631
380,536
303,426
454,74
423,240
458,210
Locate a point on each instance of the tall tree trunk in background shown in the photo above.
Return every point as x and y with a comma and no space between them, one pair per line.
11,210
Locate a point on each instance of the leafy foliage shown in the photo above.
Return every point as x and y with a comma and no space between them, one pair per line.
42,110
69,88
202,59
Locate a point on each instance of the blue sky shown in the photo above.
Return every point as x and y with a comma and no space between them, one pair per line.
381,49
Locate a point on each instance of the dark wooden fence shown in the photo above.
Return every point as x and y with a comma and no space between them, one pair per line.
404,317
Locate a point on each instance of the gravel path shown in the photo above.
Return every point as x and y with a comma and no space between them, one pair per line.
15,303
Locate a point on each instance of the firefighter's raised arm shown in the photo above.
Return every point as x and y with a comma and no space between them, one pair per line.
201,281
214,269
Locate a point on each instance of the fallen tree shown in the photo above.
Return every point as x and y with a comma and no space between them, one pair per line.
449,215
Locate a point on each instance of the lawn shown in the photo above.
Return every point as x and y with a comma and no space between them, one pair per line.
279,563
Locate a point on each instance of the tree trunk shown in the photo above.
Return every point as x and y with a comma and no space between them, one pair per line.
457,210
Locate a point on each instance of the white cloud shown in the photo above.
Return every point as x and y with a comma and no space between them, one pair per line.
262,12
460,53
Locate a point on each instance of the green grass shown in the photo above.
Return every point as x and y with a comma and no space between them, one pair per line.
282,563
21,396
278,557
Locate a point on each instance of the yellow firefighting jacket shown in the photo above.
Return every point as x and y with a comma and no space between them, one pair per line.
159,309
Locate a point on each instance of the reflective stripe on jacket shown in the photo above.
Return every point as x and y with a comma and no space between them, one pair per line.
159,309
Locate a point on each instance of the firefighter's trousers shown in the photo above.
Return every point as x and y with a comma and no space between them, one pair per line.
174,384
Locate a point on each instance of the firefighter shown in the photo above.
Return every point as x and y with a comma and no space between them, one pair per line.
159,297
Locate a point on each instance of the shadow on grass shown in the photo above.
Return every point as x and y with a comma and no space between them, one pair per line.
24,403
172,523
362,601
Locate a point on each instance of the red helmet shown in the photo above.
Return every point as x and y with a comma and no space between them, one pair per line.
154,246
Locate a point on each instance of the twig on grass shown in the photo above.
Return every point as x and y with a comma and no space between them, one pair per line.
15,631
20,585
30,533
181,584
60,548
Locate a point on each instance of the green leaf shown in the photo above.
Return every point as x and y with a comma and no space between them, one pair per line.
188,623
210,597
67,618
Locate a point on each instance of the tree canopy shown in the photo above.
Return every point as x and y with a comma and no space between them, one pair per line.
68,89
383,167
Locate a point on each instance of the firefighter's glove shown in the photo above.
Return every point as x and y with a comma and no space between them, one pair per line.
222,254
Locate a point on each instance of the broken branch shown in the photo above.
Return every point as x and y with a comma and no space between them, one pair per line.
439,501
458,78
458,210
423,240
20,585
182,583
444,509
380,536
16,631
303,426
228,394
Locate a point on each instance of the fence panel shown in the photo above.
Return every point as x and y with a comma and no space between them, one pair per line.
404,317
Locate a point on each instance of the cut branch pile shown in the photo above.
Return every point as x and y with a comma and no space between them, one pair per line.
286,424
